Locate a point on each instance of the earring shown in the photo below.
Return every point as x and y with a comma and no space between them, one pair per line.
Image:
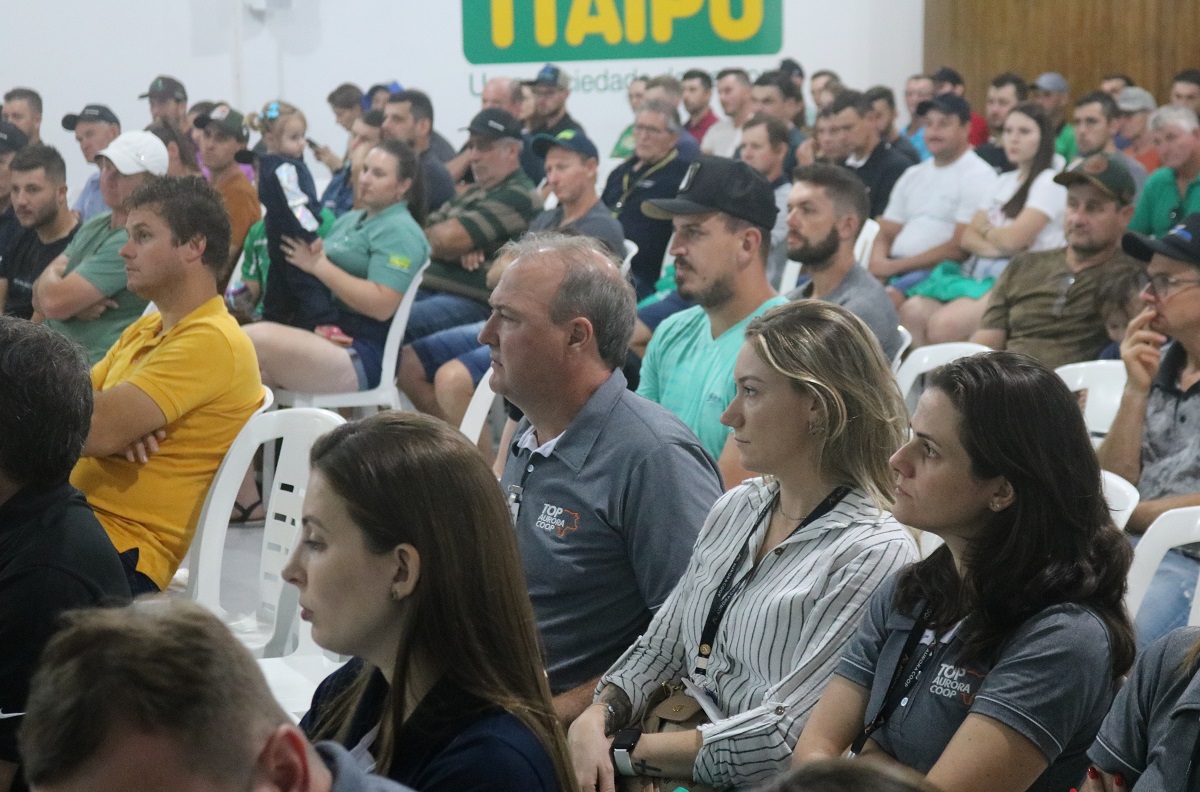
395,595
996,505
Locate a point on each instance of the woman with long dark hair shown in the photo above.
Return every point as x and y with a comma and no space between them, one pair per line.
1024,212
409,563
991,664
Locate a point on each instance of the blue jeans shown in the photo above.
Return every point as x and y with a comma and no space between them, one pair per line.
433,311
1168,601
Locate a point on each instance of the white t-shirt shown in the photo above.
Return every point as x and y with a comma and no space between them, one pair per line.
1045,196
929,201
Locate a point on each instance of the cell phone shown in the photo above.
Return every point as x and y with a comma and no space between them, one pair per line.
312,142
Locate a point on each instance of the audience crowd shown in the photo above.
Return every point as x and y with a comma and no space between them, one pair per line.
692,560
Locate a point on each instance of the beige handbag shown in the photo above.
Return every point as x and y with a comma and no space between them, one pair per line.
671,709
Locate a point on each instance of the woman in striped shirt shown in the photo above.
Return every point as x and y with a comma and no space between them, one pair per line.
783,567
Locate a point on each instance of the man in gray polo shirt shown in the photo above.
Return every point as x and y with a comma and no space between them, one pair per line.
608,490
1155,438
826,210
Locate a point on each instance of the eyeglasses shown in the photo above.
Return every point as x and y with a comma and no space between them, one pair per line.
645,129
1161,285
1064,289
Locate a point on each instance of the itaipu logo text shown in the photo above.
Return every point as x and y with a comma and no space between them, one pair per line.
514,31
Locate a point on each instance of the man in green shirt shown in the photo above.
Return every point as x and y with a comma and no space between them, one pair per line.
82,293
1173,191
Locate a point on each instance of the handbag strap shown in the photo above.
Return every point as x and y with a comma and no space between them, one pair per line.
898,690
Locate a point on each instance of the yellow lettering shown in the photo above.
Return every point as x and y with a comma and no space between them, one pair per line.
582,22
545,22
504,30
665,13
635,21
730,29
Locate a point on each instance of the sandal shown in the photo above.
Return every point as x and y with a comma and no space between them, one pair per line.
243,514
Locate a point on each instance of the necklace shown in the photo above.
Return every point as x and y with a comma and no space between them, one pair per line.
779,508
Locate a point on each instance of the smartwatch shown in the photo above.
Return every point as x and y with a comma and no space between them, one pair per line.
623,744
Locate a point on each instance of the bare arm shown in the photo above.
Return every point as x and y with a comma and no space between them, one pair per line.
982,239
888,230
458,166
570,704
835,722
590,739
449,240
122,415
994,339
1121,452
986,756
60,297
951,250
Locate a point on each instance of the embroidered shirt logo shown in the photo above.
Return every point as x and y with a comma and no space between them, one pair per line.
400,262
952,681
557,519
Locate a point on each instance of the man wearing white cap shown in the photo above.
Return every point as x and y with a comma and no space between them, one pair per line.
83,293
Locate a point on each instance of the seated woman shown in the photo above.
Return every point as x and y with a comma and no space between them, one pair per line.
367,261
990,665
1024,212
409,563
783,568
1151,738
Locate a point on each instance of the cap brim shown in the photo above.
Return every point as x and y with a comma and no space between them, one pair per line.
666,208
1073,178
1143,248
70,121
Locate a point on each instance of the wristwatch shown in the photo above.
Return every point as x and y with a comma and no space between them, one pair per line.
622,750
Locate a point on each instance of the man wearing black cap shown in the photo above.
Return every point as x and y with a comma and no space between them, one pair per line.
550,87
932,203
1044,304
95,126
468,230
1153,439
12,140
722,217
168,102
948,81
223,134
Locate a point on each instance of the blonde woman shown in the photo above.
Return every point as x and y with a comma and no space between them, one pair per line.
782,570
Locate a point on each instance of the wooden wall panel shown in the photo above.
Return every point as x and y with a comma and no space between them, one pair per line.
1083,39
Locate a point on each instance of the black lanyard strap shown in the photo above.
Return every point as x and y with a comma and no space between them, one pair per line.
897,691
727,590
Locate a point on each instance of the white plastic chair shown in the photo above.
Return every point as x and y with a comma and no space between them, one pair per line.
631,250
791,274
1172,529
1104,381
293,678
265,632
384,395
865,242
1121,496
478,409
905,343
927,358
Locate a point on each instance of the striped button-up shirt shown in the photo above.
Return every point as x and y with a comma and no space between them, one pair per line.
782,635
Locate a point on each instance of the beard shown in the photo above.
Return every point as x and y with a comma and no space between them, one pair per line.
817,256
716,294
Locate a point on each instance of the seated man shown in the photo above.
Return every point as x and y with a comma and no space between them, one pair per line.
160,695
1095,125
468,230
826,211
82,293
39,196
872,160
223,134
1153,442
12,140
439,372
95,127
722,216
883,115
1162,205
932,202
608,491
775,94
764,148
1044,304
54,555
181,382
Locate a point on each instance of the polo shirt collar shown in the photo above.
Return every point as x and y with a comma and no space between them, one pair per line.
444,713
574,444
1188,702
399,207
211,307
1173,360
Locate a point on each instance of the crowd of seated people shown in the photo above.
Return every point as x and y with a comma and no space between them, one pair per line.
690,561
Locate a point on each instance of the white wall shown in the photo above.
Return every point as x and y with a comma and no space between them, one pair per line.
74,52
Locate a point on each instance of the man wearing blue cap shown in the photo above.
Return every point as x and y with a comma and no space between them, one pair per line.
95,126
550,87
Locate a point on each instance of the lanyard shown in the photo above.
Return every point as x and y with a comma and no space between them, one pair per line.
899,692
727,590
627,190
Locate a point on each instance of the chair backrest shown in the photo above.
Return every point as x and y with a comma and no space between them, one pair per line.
631,250
864,243
478,409
1104,381
391,345
298,429
905,343
927,358
1121,496
791,274
1172,529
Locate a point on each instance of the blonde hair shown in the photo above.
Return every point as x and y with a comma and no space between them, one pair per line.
830,355
270,119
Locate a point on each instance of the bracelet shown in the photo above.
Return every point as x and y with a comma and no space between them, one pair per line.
610,717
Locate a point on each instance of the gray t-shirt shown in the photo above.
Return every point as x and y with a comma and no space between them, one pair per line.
1171,438
1150,734
866,298
598,223
1052,683
606,525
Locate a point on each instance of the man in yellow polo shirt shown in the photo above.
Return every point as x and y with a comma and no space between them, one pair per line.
176,387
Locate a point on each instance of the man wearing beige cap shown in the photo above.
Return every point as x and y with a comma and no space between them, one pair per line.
1134,106
83,293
